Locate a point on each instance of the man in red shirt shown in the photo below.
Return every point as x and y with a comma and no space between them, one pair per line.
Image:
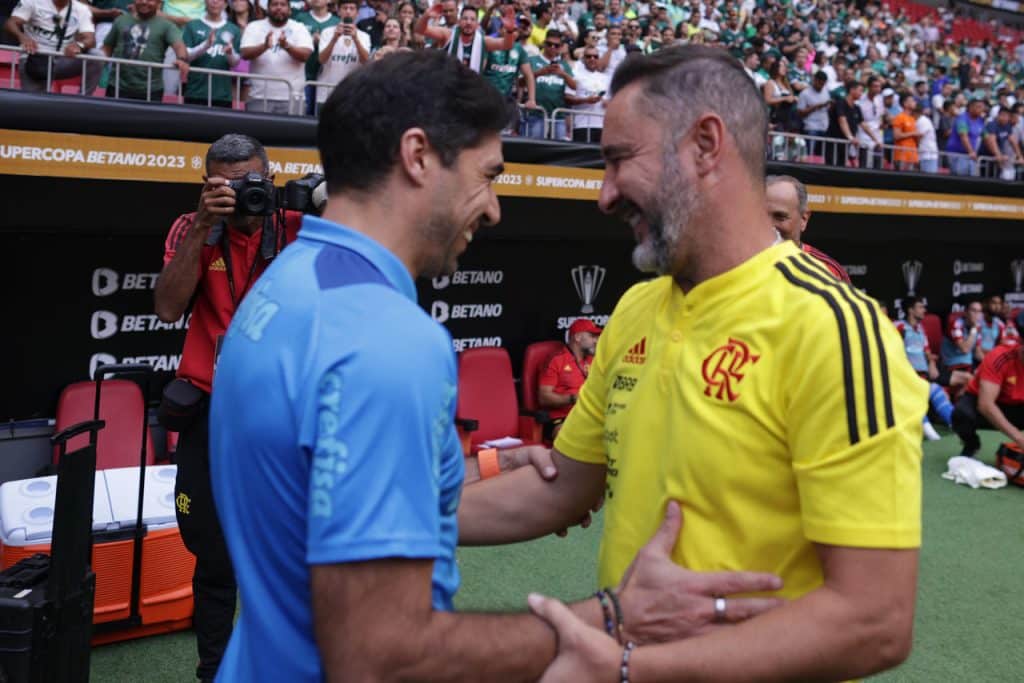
787,206
211,259
565,373
994,398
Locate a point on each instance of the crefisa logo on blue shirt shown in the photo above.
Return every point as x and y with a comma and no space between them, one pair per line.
330,458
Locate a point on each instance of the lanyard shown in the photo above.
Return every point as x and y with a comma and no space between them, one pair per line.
578,364
226,248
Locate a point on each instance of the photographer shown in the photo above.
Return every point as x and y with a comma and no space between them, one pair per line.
212,258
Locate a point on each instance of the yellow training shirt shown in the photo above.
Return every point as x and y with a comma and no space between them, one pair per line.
773,401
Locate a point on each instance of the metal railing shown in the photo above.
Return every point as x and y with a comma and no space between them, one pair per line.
116,63
814,149
574,118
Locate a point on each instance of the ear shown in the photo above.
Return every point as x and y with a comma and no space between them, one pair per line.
709,138
414,154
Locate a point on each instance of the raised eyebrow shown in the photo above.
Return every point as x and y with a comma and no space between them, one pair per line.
613,152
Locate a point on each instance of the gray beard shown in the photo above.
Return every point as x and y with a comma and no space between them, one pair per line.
675,203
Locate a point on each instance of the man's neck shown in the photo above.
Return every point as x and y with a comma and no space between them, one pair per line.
576,351
381,222
717,247
914,322
276,23
320,14
214,19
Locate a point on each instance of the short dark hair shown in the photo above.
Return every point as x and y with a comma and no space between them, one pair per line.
820,76
553,33
362,122
681,83
912,301
235,148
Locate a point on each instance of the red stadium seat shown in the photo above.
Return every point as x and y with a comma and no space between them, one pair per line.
122,406
487,407
933,330
535,359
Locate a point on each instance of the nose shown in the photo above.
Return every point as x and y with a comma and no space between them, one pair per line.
492,211
608,200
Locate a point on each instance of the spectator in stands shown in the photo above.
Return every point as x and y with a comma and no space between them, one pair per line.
213,42
344,49
64,26
466,42
915,341
553,76
502,69
391,39
180,12
561,379
781,100
869,133
905,134
561,20
374,26
812,105
277,46
145,37
965,139
752,64
104,12
844,123
211,259
1001,146
316,20
592,86
614,52
946,121
927,145
541,20
994,399
786,198
961,345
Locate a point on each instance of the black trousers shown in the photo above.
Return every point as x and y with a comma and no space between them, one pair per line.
213,583
967,421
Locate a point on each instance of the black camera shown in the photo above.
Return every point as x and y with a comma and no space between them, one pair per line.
257,196
254,195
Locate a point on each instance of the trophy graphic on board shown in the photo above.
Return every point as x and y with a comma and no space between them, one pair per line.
912,275
588,280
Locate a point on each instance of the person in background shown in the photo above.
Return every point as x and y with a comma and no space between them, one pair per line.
213,42
592,85
374,26
316,20
344,49
145,37
502,69
56,25
786,198
994,399
927,144
843,123
992,325
554,76
240,13
466,42
1000,145
813,105
965,139
561,379
277,46
180,12
961,345
905,135
915,341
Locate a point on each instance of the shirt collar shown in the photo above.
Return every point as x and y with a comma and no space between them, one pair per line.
319,230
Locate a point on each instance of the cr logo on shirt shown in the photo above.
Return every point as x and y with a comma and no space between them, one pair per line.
722,369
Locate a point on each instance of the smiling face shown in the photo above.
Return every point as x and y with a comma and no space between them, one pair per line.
465,202
645,184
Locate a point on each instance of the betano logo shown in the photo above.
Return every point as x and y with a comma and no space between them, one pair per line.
218,264
637,353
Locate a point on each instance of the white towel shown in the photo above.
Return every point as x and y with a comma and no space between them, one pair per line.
973,473
503,442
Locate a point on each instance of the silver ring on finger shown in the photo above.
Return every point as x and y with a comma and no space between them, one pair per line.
720,608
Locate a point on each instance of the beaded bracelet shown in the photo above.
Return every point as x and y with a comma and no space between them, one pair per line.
627,650
606,609
618,613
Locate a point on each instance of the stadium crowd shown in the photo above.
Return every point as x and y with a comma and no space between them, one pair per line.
897,85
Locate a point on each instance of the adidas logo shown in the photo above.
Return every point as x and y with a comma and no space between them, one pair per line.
637,353
218,264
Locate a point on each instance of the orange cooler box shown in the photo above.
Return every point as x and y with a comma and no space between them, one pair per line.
26,518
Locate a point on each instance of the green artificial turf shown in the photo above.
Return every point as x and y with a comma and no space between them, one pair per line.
970,609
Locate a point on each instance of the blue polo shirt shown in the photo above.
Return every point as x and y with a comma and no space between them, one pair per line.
332,439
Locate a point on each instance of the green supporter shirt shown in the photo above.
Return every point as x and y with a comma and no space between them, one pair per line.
147,41
197,32
550,87
503,66
315,26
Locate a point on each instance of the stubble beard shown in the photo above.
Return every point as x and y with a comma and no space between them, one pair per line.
675,203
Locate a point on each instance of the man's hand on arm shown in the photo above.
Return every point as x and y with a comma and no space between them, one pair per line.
859,622
547,397
178,280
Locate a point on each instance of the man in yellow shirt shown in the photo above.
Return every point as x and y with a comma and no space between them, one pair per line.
769,399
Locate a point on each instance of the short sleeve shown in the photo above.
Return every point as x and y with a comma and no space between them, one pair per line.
961,125
85,24
173,33
253,35
549,377
189,36
303,38
23,10
115,30
854,410
383,416
176,234
364,38
987,371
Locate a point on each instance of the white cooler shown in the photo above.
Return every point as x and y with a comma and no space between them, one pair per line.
27,506
158,498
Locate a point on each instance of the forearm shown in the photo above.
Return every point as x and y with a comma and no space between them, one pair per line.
87,40
299,54
996,418
179,278
822,636
361,51
196,50
254,51
13,26
325,52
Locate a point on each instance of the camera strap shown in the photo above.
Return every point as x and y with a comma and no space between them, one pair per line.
225,246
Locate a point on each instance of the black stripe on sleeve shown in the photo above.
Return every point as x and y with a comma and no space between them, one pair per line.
883,361
844,343
800,263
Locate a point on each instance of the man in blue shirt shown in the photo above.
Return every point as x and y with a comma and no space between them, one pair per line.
336,466
965,138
